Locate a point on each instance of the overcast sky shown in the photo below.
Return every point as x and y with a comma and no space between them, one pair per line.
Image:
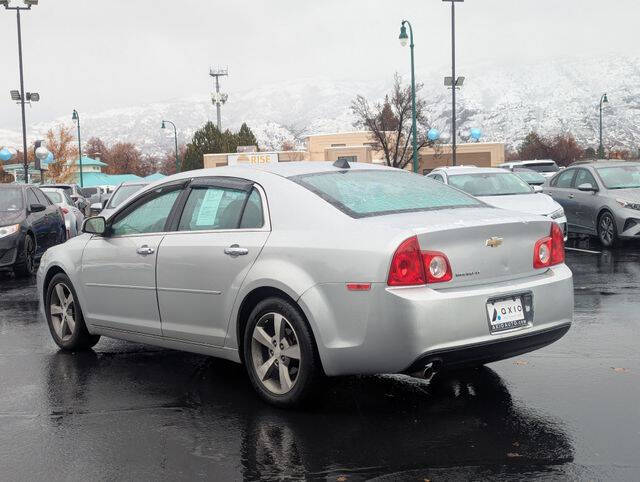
96,54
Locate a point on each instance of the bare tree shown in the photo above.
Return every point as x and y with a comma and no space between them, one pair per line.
61,143
390,123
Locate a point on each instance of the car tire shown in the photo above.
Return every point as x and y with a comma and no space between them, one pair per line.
64,316
607,230
26,264
283,365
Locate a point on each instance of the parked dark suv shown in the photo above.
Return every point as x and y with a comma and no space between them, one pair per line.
29,224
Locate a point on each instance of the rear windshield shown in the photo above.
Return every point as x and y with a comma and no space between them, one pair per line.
620,177
123,193
10,199
490,184
542,166
363,193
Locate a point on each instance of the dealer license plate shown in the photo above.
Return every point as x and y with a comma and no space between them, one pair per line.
506,314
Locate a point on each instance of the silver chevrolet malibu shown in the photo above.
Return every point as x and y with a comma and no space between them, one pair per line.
302,269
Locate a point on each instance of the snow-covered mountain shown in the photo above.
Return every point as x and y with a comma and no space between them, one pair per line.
505,102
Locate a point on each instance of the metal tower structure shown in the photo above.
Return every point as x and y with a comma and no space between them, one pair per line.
218,98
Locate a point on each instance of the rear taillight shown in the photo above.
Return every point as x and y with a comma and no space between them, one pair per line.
410,266
549,250
64,210
436,267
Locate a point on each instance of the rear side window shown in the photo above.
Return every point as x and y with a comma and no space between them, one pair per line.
363,193
214,207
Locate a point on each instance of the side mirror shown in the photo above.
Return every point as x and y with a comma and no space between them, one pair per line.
96,208
36,207
104,203
587,187
537,188
94,225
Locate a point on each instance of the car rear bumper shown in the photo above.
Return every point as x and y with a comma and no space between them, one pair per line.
389,330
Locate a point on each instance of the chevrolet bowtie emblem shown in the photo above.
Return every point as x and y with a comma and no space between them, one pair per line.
493,242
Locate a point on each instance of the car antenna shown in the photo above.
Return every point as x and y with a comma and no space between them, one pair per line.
342,164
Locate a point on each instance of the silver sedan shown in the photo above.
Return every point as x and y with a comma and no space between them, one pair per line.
73,217
305,269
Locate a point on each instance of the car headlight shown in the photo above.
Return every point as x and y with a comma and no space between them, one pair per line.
7,230
557,214
628,204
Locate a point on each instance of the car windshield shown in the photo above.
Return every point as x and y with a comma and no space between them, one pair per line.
363,193
620,177
10,199
490,184
542,166
54,196
89,191
123,193
531,177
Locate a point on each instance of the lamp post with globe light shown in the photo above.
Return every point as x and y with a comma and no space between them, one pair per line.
603,100
175,138
403,41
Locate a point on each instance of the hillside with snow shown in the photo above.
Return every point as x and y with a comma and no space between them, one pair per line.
506,103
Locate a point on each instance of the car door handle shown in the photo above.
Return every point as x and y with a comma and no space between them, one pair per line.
145,250
571,196
235,250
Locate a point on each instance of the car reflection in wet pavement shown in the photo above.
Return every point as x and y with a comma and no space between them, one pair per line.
126,411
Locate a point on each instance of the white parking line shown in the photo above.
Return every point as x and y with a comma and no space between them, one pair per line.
583,250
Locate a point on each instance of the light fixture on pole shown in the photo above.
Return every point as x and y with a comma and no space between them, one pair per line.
403,41
22,99
76,118
454,79
603,100
175,138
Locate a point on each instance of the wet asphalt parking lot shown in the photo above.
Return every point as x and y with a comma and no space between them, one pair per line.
128,411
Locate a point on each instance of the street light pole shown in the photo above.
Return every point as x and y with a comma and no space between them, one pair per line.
175,138
76,117
414,129
22,96
603,100
453,78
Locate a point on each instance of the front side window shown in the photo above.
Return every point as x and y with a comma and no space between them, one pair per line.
148,217
44,200
213,207
362,193
31,197
584,177
563,180
123,193
620,177
54,196
10,199
490,184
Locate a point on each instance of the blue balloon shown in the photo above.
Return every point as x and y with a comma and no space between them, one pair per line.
433,134
5,155
48,159
476,133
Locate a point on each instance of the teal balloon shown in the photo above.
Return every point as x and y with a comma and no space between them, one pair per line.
433,134
5,155
476,133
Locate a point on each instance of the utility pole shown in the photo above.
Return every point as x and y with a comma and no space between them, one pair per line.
217,98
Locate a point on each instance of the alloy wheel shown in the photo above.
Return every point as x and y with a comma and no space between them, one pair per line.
28,255
63,312
275,352
606,229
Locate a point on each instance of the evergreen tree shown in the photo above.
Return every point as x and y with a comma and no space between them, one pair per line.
246,137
